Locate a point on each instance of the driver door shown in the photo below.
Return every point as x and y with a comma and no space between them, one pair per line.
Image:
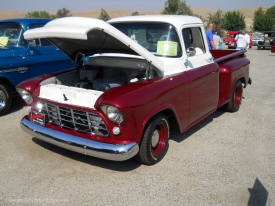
202,72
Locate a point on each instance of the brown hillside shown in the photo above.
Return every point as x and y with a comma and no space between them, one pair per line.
204,12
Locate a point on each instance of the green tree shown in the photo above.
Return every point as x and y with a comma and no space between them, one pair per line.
271,11
264,23
259,12
217,19
63,13
264,20
177,7
104,15
40,14
184,9
234,21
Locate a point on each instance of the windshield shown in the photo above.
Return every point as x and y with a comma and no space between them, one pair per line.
159,39
10,34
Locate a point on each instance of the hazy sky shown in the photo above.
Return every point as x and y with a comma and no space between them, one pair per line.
134,5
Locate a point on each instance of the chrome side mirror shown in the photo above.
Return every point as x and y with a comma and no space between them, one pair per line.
191,51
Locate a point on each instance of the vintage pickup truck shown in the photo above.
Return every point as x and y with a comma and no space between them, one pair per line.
21,59
135,76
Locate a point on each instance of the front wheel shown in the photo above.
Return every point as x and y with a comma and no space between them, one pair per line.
236,98
154,143
5,99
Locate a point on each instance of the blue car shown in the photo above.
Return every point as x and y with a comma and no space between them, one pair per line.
21,59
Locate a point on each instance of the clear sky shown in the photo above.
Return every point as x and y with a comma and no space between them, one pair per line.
134,5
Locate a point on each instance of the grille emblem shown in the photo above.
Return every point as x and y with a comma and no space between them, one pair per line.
65,98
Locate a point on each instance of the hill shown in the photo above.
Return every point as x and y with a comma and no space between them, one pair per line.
204,12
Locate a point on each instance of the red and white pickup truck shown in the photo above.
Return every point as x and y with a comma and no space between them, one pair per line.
134,76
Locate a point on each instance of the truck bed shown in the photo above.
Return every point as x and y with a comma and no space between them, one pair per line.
222,55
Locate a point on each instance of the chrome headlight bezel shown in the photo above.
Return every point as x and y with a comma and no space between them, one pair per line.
112,113
26,96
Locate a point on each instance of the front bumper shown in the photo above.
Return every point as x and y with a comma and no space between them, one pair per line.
81,145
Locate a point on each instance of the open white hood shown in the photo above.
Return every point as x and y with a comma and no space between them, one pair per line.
90,36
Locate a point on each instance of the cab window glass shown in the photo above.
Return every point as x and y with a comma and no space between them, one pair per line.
158,38
192,37
10,34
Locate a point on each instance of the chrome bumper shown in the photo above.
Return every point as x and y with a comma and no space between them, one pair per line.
81,145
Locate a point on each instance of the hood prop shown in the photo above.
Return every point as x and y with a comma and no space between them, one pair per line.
149,72
76,62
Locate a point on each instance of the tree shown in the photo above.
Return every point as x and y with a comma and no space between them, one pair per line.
264,23
217,19
184,9
259,12
177,7
234,21
40,14
104,15
264,20
271,11
63,13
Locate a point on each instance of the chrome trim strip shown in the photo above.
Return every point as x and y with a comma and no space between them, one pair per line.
80,145
19,69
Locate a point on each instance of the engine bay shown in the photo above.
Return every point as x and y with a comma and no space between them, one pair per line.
83,85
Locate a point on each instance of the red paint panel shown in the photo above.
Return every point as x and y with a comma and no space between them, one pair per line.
204,90
273,48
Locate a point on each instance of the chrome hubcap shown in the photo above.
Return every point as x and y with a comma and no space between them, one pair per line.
2,99
155,138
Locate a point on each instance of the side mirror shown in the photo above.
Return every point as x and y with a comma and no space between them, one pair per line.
191,51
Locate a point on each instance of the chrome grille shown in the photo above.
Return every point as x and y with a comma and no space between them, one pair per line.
72,119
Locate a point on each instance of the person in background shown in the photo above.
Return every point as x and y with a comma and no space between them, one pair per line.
240,40
217,40
247,39
209,36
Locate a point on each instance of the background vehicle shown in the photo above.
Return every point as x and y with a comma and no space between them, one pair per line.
256,37
135,77
21,59
230,39
269,39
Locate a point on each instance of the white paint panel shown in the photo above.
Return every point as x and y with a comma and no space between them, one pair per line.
76,96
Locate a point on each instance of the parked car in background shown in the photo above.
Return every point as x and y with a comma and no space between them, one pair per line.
256,37
21,59
136,77
269,39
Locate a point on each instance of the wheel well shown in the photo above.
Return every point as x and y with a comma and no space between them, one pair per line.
242,80
172,121
8,84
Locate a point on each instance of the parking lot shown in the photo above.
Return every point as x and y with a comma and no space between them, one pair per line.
227,159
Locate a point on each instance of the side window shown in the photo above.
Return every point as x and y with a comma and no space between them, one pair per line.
192,37
40,42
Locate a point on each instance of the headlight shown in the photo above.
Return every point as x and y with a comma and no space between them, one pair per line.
25,95
112,113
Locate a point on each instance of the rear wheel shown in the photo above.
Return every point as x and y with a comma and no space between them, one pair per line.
5,99
236,98
154,143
